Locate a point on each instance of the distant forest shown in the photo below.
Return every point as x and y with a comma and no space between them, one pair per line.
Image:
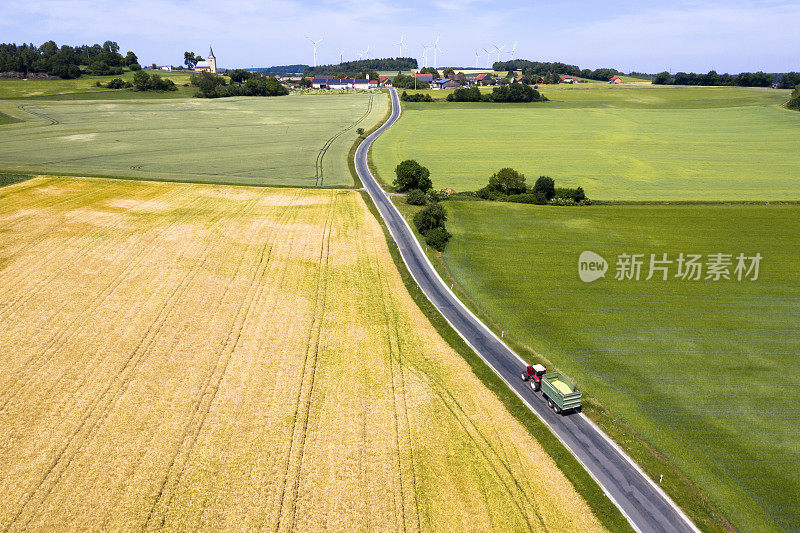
358,68
539,68
65,61
279,69
744,79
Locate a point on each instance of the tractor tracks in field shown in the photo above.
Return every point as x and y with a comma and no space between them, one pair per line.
6,307
174,474
319,170
61,337
100,407
396,359
297,436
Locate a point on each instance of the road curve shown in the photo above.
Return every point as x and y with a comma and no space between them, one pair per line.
643,503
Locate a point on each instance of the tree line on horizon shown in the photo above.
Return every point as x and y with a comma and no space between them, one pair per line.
713,79
543,68
65,61
352,69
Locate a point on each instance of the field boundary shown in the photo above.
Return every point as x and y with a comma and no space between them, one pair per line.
351,154
585,484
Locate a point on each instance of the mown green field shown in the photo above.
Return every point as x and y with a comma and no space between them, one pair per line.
292,140
84,88
706,371
618,142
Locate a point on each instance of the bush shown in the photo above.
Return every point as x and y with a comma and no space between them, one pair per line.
487,193
433,216
516,92
412,175
526,198
473,94
416,197
794,100
135,67
546,186
437,238
507,181
360,132
417,97
437,196
119,83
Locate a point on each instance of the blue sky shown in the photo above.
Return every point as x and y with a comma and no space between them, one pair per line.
731,36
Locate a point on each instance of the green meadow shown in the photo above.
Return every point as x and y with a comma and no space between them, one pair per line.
627,142
705,371
292,140
84,88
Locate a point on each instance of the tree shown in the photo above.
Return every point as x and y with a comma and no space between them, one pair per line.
305,83
190,60
99,68
134,67
110,47
545,186
794,100
130,59
507,181
448,72
432,216
239,75
412,175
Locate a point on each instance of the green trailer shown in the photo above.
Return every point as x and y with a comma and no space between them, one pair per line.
561,395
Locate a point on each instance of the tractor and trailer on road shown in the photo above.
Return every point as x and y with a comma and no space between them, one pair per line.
561,395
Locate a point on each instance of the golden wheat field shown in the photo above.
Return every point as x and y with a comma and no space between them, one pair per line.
179,356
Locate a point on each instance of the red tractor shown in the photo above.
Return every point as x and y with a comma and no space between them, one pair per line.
534,374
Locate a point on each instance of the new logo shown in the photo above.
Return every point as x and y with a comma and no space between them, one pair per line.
591,266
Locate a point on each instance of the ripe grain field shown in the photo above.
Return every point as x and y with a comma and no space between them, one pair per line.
179,356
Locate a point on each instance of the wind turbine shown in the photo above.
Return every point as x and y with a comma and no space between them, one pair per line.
366,52
360,55
436,49
315,43
499,50
341,57
401,44
425,48
489,56
477,57
513,51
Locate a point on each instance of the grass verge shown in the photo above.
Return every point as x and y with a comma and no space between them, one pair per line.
600,504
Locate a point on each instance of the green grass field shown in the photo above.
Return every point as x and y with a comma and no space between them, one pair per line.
292,140
84,88
706,372
623,142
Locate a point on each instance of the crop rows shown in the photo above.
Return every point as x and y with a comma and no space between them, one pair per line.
200,357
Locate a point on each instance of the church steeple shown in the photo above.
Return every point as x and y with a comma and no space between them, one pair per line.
211,53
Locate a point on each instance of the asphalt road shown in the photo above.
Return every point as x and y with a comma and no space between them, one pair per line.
642,502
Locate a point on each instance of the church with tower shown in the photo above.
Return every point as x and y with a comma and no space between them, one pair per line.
209,65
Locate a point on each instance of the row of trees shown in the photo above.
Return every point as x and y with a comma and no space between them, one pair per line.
415,180
214,86
514,93
712,78
142,81
540,69
509,185
352,69
65,61
790,80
